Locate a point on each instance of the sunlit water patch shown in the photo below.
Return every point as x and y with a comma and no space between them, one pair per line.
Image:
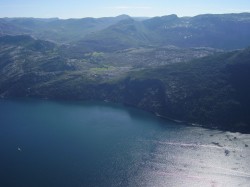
61,144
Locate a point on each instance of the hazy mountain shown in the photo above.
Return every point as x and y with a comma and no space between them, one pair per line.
123,35
226,31
223,31
57,30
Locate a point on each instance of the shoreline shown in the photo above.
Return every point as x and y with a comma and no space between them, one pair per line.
160,116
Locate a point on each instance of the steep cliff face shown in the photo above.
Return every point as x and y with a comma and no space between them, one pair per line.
213,91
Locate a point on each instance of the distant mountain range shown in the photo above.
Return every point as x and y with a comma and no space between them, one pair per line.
223,31
56,30
193,69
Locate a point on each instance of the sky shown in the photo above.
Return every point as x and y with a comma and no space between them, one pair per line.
106,8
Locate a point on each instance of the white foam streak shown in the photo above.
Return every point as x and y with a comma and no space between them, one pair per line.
196,145
233,172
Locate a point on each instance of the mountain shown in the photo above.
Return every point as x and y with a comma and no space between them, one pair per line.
189,69
23,57
196,85
123,35
222,31
213,91
56,30
24,60
225,31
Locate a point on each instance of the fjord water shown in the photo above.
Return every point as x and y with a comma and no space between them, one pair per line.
57,144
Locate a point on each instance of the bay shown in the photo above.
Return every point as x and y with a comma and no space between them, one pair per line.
57,144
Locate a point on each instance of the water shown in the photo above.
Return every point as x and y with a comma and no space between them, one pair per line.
57,144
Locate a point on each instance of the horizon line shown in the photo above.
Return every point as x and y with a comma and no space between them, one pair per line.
60,18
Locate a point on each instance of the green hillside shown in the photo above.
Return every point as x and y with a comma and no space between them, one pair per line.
195,85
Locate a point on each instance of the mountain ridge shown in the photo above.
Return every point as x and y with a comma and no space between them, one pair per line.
223,31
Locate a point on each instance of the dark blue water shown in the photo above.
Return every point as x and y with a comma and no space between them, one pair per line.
57,144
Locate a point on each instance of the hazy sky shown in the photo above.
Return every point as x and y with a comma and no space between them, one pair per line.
105,8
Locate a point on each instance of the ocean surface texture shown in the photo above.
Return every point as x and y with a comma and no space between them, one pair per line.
72,144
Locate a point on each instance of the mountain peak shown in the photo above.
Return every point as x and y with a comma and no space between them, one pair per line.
171,16
123,16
